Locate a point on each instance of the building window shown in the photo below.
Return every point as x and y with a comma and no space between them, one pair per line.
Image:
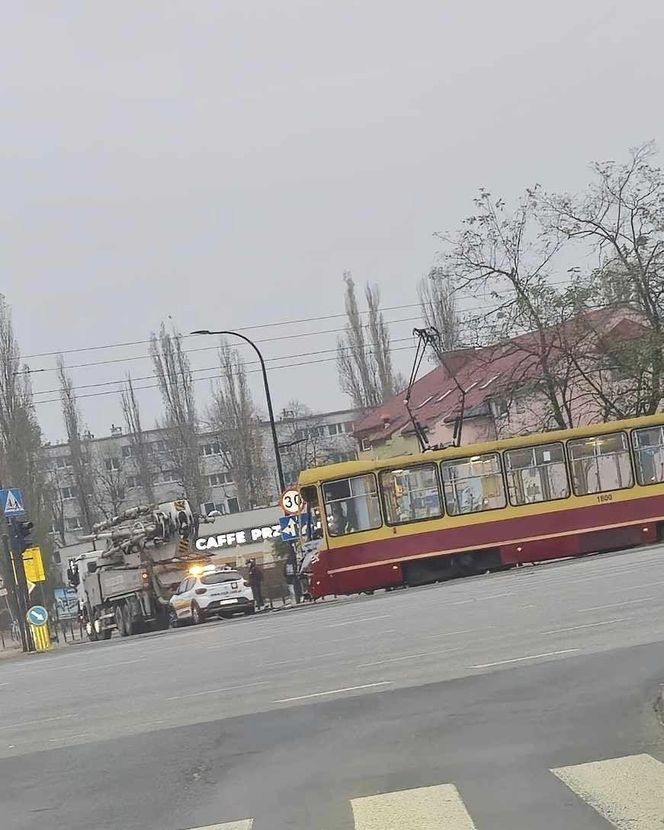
112,465
62,461
365,445
73,523
68,492
352,505
536,474
411,494
132,481
127,451
600,463
158,446
218,479
211,449
335,429
473,484
348,426
649,454
233,505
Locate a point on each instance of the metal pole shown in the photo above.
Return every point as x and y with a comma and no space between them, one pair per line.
268,398
292,555
13,551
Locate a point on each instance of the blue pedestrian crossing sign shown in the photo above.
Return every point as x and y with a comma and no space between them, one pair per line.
37,615
12,503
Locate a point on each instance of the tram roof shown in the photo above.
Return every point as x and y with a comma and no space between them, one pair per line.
353,468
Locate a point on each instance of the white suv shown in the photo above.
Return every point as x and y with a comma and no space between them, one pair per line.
210,591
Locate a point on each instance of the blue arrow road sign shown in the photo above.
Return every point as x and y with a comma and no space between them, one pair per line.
289,528
11,502
37,615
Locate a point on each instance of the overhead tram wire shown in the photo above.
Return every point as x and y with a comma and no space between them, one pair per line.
212,368
253,327
213,377
146,356
187,336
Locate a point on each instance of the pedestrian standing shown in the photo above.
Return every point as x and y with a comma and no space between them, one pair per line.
256,582
289,575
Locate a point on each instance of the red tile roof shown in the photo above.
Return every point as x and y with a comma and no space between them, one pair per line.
487,372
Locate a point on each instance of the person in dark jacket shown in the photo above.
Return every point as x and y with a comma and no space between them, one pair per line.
256,582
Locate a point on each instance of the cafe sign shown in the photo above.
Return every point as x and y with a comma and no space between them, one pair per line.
251,535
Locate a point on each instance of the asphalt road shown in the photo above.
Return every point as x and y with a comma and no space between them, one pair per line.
519,700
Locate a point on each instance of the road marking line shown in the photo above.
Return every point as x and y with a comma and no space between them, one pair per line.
301,660
397,659
33,722
426,808
334,691
365,636
634,587
628,792
585,625
110,665
239,642
521,659
218,691
358,620
613,605
409,657
245,824
463,631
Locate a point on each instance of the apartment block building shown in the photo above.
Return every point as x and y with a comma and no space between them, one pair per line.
305,439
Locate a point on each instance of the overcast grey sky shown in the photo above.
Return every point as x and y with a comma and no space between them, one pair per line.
224,162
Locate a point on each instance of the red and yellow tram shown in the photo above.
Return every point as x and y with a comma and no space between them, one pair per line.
463,510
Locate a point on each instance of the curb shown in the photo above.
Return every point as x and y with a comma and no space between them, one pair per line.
659,704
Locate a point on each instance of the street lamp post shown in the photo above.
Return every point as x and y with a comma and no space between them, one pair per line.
268,397
292,556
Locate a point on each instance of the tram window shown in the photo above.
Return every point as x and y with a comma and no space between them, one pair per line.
649,453
473,484
601,463
351,505
411,494
536,474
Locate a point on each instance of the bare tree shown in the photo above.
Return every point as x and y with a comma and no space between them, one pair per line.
364,361
173,372
140,447
111,472
620,217
439,307
21,463
79,454
503,256
305,441
233,417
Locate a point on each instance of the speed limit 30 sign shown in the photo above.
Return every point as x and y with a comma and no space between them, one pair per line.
291,502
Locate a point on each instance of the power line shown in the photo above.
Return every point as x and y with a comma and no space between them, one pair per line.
116,360
215,377
212,368
186,336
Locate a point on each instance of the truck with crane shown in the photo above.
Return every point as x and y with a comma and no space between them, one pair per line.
126,586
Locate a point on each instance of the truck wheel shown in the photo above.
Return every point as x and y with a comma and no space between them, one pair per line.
129,625
120,621
197,616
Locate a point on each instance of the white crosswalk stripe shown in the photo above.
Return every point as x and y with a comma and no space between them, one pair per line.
426,808
245,824
628,792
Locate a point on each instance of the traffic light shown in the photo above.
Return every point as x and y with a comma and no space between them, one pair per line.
22,529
